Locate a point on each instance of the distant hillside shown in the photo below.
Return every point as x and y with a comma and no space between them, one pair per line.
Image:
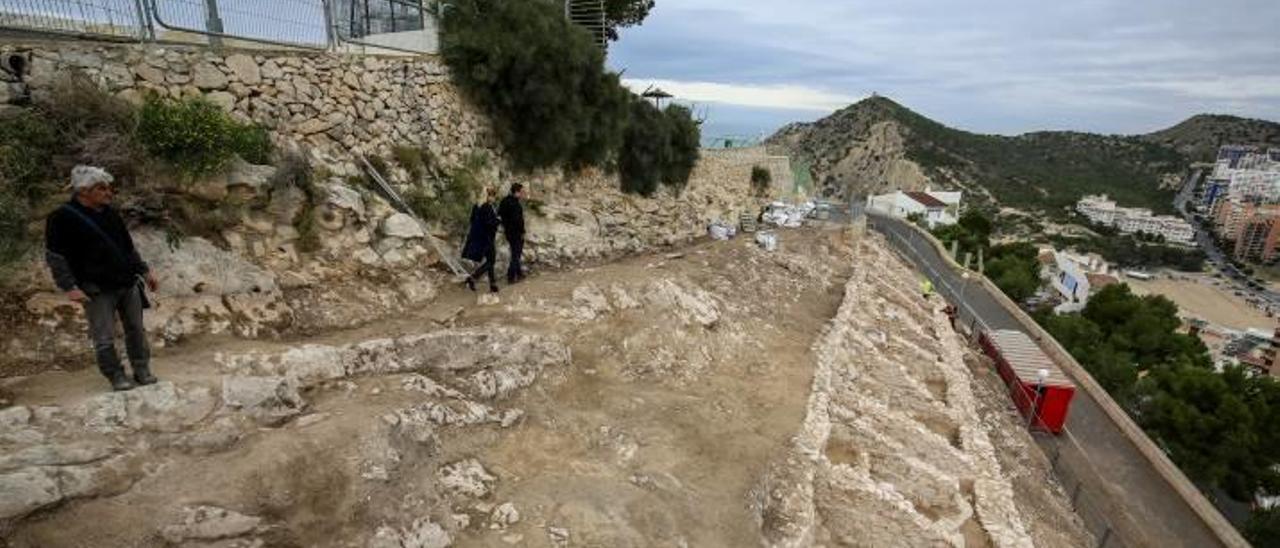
1200,136
877,144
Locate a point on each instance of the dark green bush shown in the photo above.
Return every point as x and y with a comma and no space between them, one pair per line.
197,137
683,140
28,142
252,143
761,179
658,147
645,148
540,78
553,103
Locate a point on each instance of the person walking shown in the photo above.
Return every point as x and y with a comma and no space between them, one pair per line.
480,239
512,213
94,262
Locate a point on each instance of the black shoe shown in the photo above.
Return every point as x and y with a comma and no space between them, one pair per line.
493,289
471,284
121,383
144,377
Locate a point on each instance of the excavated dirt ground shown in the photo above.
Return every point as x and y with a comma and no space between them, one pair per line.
720,396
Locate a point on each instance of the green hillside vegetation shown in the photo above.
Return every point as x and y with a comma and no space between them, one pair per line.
1013,267
1045,171
1199,137
1222,429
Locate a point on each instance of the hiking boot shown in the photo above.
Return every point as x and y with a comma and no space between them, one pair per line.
493,289
121,383
471,284
143,376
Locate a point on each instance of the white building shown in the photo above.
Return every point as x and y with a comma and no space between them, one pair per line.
1130,220
937,208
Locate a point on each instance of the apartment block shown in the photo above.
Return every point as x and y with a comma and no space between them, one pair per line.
1130,220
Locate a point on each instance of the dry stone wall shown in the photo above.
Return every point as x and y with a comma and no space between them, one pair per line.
252,280
335,105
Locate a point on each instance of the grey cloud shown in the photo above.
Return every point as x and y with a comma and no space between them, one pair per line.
987,65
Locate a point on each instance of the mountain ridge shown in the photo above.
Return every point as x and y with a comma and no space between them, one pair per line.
878,145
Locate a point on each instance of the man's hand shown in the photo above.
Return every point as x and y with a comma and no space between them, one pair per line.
152,284
77,296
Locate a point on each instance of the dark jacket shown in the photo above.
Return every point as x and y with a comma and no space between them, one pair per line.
512,213
484,228
79,256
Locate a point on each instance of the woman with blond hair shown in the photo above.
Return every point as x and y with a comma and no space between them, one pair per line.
480,239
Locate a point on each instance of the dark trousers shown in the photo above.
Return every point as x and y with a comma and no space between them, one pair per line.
101,311
490,258
515,268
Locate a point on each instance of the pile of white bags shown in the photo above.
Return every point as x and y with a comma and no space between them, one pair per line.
767,240
786,215
722,231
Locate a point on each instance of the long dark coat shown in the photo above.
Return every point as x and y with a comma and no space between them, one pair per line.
484,228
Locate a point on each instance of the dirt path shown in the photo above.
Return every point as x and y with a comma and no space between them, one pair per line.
639,403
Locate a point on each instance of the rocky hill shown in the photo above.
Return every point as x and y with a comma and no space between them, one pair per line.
877,145
1200,136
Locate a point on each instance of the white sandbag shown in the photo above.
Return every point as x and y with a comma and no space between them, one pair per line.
721,231
767,240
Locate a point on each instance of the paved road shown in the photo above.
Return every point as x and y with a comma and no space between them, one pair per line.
1120,486
1214,255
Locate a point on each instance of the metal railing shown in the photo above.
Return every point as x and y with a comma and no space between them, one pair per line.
309,24
114,19
590,15
289,23
359,21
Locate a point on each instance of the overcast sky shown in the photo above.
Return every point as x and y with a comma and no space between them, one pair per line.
994,66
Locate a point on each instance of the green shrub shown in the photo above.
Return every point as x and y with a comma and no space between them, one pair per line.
197,137
541,79
645,148
683,138
14,240
28,143
252,143
658,147
451,205
761,179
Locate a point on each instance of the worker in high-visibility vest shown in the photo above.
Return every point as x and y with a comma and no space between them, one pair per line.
926,288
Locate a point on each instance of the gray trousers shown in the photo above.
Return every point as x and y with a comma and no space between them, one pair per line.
101,311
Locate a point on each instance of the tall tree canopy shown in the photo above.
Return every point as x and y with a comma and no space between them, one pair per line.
624,13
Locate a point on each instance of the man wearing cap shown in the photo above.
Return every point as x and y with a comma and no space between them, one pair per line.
93,261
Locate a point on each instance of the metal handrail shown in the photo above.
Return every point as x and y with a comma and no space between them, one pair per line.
153,12
338,38
139,21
